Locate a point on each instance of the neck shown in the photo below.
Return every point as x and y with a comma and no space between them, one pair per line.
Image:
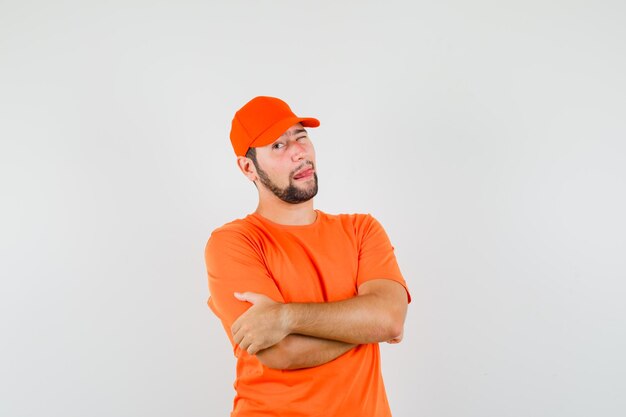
288,214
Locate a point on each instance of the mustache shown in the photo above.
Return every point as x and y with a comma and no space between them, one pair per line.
305,163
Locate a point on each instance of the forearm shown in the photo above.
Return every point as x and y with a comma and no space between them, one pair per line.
375,315
298,351
370,317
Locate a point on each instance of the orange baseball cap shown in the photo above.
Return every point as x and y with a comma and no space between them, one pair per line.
261,121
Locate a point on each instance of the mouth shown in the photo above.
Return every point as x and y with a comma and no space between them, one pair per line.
304,174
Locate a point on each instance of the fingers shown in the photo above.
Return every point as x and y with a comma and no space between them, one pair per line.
247,296
252,297
240,296
248,341
251,331
234,328
244,341
247,345
251,348
234,331
239,337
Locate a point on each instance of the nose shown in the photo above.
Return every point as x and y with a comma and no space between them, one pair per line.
299,152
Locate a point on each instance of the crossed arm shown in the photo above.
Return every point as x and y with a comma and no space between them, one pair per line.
300,335
297,351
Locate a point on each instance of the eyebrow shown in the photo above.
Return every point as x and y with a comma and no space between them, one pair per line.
295,132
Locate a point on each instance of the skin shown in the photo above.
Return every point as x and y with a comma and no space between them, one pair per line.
375,315
281,160
299,335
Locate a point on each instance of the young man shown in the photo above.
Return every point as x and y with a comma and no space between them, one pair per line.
304,296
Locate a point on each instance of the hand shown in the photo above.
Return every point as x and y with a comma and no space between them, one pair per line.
261,326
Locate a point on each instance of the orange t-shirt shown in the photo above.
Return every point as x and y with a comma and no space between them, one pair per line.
320,262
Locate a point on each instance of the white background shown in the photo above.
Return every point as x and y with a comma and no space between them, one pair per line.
488,137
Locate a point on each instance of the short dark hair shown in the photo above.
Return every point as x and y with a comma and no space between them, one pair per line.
252,155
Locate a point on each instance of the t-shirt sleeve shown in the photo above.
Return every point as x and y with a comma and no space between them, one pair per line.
234,265
376,254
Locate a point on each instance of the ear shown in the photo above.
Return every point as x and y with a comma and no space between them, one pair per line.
246,166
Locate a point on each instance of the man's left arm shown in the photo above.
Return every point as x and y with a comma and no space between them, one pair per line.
375,315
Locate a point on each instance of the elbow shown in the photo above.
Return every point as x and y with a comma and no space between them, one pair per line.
396,330
386,326
396,335
395,323
393,328
388,311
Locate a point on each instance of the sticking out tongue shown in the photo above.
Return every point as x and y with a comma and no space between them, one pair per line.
303,174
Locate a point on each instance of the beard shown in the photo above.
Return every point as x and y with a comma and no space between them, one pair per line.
291,193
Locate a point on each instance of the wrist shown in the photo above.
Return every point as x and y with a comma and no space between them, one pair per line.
286,317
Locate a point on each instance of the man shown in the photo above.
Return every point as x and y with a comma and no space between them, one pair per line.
304,296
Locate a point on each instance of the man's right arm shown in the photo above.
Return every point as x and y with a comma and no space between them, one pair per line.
298,351
375,315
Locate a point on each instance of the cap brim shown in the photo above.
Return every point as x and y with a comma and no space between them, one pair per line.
276,130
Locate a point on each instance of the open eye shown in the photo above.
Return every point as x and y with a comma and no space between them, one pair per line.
278,145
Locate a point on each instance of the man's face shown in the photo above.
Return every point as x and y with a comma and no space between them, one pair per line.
286,167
